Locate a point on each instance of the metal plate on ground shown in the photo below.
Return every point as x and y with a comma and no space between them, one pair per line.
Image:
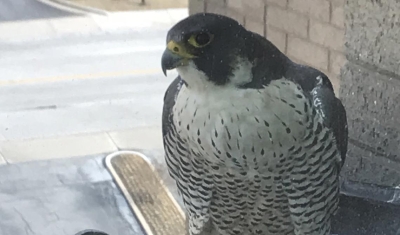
149,198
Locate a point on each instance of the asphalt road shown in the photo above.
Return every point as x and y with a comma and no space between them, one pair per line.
12,10
82,85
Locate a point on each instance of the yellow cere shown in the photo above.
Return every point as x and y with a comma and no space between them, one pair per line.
179,49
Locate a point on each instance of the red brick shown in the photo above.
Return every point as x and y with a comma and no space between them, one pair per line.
277,37
196,6
307,52
287,20
337,9
336,62
318,9
327,35
255,26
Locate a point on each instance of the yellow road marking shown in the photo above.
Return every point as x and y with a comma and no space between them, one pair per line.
81,77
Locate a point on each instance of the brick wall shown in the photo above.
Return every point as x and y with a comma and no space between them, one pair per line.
308,31
355,42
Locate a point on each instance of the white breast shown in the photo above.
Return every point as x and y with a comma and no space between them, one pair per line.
241,128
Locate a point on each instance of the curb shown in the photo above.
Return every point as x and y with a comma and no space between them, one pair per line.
74,7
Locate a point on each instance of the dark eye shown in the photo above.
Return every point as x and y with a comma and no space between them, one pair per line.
202,39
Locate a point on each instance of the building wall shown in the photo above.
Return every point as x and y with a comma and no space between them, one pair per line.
356,43
370,90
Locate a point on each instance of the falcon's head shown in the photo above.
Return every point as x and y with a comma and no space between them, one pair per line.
209,48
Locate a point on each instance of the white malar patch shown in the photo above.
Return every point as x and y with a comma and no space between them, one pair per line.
242,72
195,78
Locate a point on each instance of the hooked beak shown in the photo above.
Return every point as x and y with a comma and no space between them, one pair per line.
175,55
170,61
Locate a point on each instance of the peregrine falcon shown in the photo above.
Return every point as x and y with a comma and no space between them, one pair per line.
254,141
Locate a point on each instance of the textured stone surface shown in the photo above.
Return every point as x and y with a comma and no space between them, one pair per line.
370,90
365,166
375,95
373,32
376,137
372,101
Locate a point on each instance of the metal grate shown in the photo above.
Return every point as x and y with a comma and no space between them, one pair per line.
149,198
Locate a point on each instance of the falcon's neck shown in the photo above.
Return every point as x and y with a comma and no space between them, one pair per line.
197,80
194,79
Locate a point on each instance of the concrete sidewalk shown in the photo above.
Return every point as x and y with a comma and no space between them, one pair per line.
14,151
20,31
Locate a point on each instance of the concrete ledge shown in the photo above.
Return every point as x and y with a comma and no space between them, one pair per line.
43,29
